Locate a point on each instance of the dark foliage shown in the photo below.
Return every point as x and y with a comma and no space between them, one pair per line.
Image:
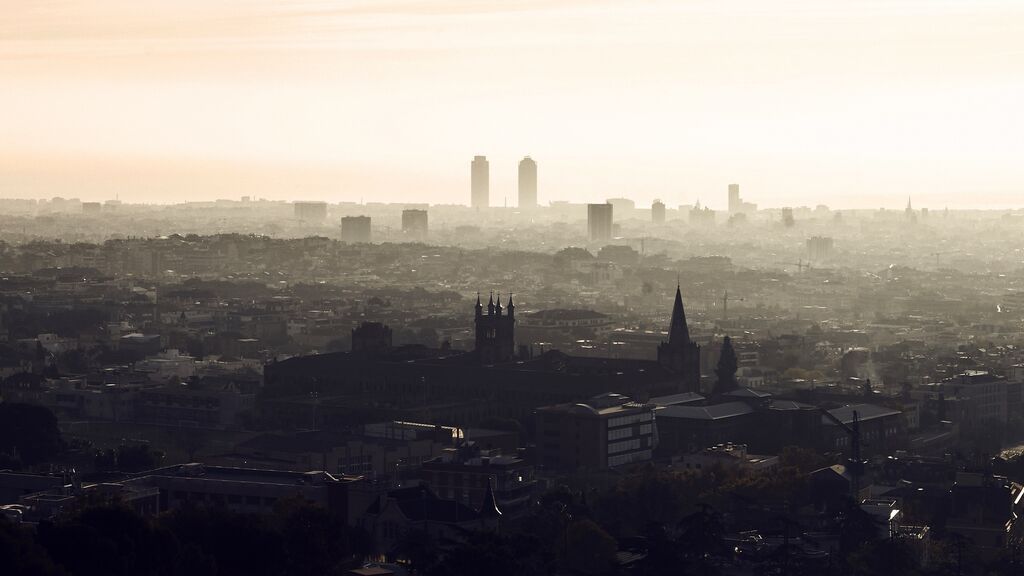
29,431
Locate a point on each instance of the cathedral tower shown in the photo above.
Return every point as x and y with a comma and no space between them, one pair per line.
680,355
495,332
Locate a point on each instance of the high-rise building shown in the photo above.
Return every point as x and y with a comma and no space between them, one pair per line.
735,204
481,182
658,212
819,248
527,183
355,229
787,217
311,211
414,223
599,221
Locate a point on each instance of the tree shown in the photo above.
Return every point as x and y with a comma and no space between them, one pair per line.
489,553
588,548
726,370
21,554
29,431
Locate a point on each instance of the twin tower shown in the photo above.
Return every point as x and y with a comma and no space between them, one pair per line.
480,176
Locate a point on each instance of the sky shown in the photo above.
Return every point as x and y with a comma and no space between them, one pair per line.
848,103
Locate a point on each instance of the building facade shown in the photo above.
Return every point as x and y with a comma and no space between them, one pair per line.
599,221
480,176
527,183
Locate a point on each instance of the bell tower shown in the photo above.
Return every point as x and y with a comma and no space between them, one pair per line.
495,332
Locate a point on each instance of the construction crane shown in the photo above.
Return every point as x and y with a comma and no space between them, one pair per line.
725,304
855,464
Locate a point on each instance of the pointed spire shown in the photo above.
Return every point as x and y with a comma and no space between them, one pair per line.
497,305
678,332
479,307
489,506
510,304
490,305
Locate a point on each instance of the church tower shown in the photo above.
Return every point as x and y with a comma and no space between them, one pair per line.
680,355
495,332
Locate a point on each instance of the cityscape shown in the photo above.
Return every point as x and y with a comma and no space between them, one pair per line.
525,373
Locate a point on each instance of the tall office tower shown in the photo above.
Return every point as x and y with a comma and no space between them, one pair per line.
414,223
355,229
527,183
599,221
819,248
658,212
310,210
787,217
481,180
735,204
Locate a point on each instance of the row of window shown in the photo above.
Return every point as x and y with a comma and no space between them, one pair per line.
628,458
616,447
630,419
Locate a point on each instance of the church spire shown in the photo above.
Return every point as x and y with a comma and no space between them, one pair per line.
489,506
479,307
678,332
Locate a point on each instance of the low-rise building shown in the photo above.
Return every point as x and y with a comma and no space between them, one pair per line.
732,456
464,474
608,431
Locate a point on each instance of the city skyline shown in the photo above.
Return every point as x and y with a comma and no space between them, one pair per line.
854,105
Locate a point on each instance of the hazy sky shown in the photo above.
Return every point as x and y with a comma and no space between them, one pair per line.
857,103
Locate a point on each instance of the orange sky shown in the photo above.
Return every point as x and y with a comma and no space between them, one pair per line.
858,103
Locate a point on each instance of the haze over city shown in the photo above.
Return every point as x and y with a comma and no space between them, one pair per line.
850,104
499,288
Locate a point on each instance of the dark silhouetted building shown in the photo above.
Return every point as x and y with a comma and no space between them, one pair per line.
310,211
527,183
495,333
414,223
680,355
658,212
606,431
355,229
481,182
454,387
371,337
599,221
464,473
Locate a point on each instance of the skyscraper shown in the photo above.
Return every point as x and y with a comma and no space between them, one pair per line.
414,223
527,183
481,181
599,221
735,204
658,212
